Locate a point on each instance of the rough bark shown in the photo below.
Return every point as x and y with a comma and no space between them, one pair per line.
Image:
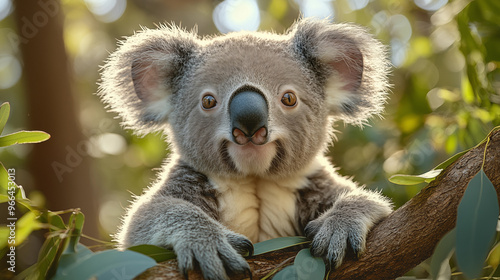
401,241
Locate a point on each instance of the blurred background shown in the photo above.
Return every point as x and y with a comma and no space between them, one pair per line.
445,96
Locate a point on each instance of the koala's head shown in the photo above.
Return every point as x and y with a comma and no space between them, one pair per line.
247,103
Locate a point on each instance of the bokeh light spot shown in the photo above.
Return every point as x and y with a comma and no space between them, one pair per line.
107,10
237,15
5,8
400,27
430,5
10,71
399,51
357,4
322,9
112,143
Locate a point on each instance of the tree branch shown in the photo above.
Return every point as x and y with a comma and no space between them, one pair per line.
401,241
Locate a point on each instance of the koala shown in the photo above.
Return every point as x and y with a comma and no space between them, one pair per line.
248,116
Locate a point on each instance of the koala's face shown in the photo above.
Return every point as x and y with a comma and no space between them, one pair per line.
249,106
247,103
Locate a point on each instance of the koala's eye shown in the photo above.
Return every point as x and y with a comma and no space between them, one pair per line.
208,102
289,99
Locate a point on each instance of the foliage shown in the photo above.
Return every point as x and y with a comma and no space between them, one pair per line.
61,256
477,219
445,99
408,180
20,137
278,244
304,267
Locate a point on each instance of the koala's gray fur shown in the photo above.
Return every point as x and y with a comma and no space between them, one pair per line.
214,195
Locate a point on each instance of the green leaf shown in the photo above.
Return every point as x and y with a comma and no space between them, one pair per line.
440,262
47,258
21,195
308,267
157,253
55,221
4,236
107,264
409,180
23,137
4,115
7,185
277,244
428,177
76,224
477,219
451,160
69,259
494,257
4,180
287,273
25,226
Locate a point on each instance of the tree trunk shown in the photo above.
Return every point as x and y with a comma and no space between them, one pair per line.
401,241
59,166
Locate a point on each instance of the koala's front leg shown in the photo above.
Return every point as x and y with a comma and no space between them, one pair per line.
194,236
352,212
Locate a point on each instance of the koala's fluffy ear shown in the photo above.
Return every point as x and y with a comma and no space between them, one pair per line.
138,79
351,65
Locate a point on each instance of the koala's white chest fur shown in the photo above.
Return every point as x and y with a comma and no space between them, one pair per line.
258,208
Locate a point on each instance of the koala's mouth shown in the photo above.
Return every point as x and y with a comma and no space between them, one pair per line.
250,158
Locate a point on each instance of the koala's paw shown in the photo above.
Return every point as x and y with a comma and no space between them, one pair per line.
218,255
331,235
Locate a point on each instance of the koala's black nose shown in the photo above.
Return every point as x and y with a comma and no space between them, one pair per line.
248,113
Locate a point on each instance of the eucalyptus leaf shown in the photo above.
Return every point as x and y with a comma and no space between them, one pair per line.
159,254
46,260
494,257
107,264
20,194
25,225
287,273
476,224
23,137
4,180
277,244
409,180
4,115
440,262
308,267
70,258
76,223
4,236
55,220
451,160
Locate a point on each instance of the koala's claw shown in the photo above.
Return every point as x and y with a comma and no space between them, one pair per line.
240,243
312,228
330,239
217,258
